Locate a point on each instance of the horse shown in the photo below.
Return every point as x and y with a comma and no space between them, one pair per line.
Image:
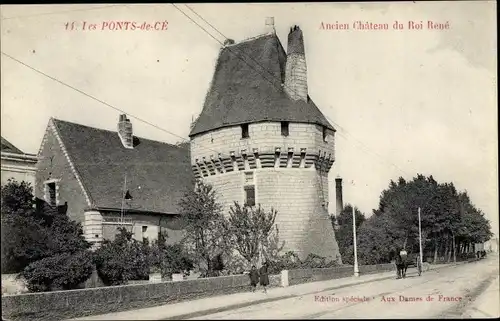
402,263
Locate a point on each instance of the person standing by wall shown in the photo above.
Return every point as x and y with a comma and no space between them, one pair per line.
254,277
264,276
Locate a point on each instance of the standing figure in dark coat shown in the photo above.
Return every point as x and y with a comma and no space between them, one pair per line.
398,262
254,277
264,276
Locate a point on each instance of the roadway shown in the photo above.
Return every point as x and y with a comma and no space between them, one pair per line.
454,292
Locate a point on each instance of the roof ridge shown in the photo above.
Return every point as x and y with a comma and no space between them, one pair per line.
251,39
111,131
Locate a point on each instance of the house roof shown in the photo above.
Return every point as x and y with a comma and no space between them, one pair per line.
157,174
247,87
8,147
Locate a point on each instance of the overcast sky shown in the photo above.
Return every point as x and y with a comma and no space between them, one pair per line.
403,101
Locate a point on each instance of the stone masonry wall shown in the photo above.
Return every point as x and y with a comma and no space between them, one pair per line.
264,137
53,164
296,76
303,220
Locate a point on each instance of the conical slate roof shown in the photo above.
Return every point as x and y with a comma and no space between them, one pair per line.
247,87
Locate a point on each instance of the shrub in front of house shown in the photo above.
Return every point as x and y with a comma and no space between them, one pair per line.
123,259
64,271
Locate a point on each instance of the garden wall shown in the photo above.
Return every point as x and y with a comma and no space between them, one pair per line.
58,305
313,275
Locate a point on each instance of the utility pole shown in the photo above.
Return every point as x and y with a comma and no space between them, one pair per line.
420,237
123,199
356,268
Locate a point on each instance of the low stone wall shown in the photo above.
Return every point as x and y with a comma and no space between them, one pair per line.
313,275
379,268
58,305
75,303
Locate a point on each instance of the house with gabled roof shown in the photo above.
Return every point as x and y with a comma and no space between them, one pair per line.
16,164
108,179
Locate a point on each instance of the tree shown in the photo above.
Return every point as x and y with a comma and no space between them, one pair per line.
249,229
204,230
33,230
344,232
22,237
449,221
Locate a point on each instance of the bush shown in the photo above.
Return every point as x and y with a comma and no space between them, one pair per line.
174,259
123,259
64,271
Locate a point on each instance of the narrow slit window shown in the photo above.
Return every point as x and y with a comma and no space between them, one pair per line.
52,193
244,131
285,128
325,133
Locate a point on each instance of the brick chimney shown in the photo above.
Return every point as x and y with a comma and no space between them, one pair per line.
270,25
125,131
296,69
338,196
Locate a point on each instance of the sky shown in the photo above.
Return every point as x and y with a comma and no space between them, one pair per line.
403,101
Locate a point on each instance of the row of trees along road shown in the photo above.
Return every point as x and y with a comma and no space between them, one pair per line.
451,224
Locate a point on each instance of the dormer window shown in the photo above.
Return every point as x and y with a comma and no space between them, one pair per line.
285,128
244,131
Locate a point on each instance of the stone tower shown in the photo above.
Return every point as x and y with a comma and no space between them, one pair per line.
260,139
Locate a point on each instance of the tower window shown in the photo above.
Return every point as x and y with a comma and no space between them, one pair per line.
250,195
285,128
244,131
325,133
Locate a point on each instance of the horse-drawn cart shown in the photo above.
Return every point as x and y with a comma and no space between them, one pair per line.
414,261
403,262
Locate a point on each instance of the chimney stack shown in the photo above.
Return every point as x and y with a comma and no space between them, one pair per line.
296,68
270,25
338,196
125,131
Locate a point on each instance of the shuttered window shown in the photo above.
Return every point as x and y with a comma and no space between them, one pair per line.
250,195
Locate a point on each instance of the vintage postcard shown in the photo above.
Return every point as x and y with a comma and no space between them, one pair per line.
249,161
